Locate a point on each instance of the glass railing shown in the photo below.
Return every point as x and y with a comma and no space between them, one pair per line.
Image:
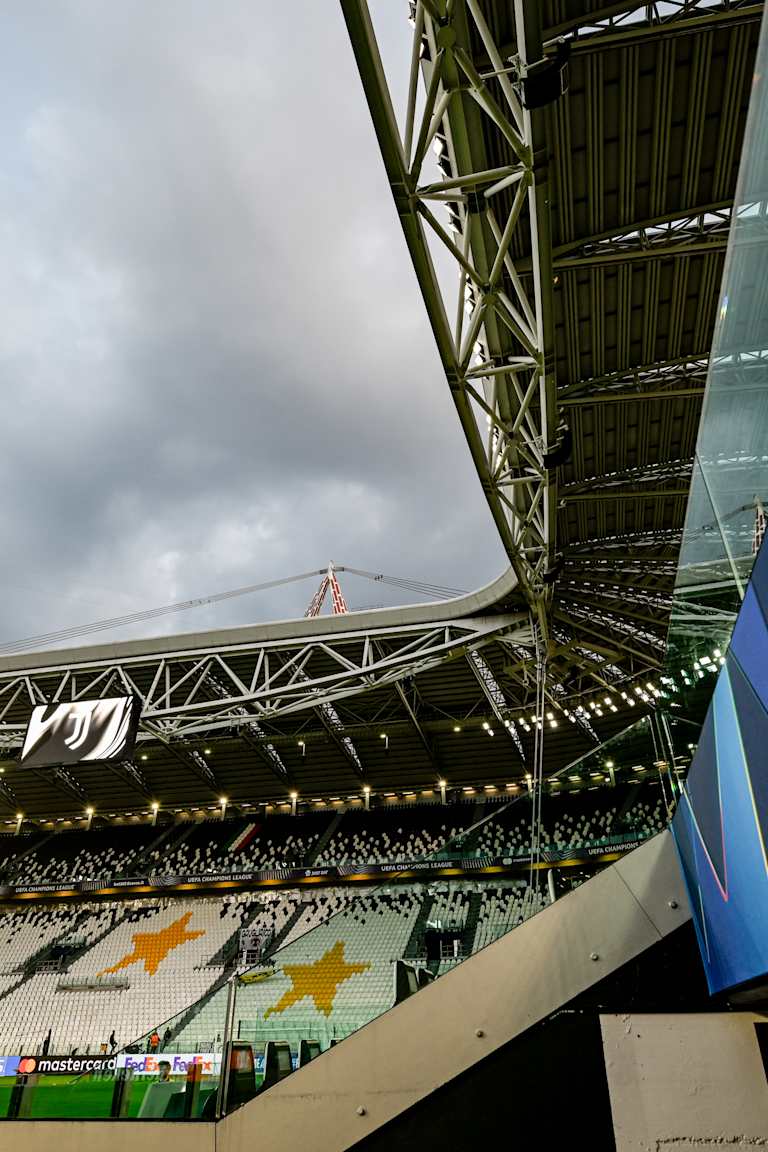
152,1078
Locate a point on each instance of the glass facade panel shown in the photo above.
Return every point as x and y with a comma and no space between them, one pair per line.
725,517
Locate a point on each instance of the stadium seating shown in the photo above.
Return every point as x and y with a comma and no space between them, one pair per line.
326,983
163,948
569,821
80,855
394,833
504,906
384,834
86,970
217,846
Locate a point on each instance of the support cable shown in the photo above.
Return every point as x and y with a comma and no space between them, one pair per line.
75,632
537,783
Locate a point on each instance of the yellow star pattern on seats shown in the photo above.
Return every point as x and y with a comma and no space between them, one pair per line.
320,980
153,947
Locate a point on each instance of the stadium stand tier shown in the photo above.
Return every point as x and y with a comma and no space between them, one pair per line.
70,977
353,836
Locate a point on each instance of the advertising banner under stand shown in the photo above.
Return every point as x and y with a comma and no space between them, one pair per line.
376,873
140,1064
64,1065
148,1064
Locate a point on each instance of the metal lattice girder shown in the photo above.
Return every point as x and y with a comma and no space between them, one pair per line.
181,690
191,758
699,231
409,698
636,545
8,795
251,731
497,356
684,376
496,698
63,779
132,774
633,482
605,24
589,619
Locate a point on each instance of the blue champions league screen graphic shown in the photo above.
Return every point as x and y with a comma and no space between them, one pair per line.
721,823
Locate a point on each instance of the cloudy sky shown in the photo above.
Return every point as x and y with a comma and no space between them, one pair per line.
215,364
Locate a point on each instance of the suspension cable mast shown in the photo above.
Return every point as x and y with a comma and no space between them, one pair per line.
338,603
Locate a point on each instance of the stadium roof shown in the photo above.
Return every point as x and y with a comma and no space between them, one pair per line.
587,231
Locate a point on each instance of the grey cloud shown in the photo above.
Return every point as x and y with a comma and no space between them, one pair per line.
215,360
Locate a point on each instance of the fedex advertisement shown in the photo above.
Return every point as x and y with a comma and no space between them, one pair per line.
148,1064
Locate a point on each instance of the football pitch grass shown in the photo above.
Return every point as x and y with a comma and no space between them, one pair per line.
72,1097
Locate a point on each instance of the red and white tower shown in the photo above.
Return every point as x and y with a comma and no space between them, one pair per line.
338,603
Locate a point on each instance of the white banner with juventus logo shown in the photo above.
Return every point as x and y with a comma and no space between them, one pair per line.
81,730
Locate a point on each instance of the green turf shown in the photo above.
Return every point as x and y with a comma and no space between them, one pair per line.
72,1098
81,1097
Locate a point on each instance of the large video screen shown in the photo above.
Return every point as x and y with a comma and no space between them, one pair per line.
83,730
720,824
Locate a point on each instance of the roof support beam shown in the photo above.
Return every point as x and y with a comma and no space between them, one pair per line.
131,774
603,492
424,739
685,371
705,220
63,781
677,18
189,757
8,795
503,337
635,395
666,250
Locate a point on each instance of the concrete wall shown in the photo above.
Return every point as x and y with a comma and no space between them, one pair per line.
685,1082
98,1136
469,1013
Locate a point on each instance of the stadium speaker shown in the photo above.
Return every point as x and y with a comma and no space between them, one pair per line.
552,573
548,79
562,452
